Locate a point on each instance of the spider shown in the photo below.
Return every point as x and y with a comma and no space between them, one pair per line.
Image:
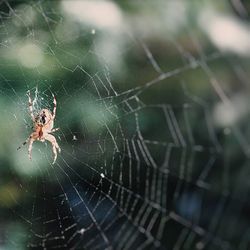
42,128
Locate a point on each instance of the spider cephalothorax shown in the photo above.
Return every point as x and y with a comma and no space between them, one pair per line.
43,127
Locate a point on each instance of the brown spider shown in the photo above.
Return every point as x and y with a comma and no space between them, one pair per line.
43,127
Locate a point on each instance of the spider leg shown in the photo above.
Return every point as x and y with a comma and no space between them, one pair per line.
30,147
54,144
24,143
31,106
54,110
30,139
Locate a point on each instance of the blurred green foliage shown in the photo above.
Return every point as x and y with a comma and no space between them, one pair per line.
44,45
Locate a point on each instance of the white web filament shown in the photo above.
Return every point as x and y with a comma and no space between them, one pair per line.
153,157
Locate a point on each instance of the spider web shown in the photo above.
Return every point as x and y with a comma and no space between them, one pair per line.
153,119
